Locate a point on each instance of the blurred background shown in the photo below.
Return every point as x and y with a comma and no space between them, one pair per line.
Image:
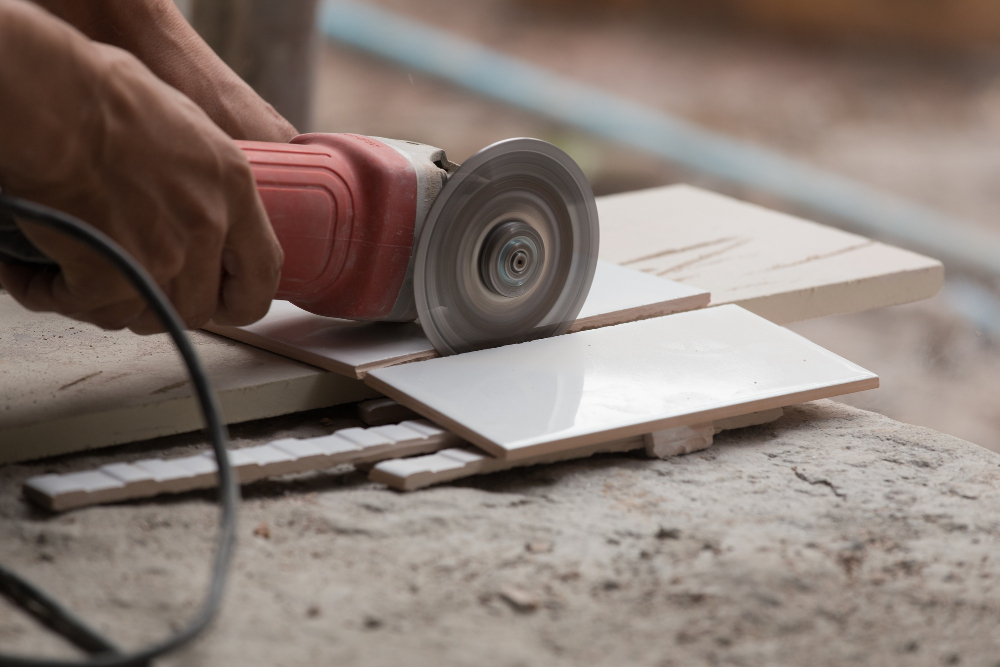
900,95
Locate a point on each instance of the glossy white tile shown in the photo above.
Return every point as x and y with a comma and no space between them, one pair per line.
613,382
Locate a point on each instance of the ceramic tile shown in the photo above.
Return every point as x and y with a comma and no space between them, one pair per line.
300,449
421,471
354,349
781,267
150,477
778,266
619,294
459,462
364,437
398,433
565,392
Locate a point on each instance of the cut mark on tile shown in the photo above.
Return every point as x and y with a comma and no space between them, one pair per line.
615,382
355,348
78,381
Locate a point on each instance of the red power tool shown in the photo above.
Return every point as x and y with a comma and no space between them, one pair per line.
500,250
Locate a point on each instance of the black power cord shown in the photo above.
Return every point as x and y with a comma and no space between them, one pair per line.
35,602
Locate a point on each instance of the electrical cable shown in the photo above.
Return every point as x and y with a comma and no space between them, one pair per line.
103,652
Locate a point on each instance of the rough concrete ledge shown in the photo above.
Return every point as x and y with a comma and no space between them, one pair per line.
831,537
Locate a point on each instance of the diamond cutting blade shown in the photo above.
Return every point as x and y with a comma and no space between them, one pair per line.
508,250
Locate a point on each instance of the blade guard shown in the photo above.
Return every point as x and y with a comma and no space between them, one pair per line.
343,207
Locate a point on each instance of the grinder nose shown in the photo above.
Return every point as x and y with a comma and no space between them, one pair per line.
508,250
512,258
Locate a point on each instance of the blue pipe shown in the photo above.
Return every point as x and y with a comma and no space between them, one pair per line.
520,84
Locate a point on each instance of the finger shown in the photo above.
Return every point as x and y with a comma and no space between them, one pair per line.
113,317
194,293
88,279
251,263
33,287
16,278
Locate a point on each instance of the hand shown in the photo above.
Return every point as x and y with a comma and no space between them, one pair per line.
157,34
92,132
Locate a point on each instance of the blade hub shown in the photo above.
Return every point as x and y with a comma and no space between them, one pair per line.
508,250
511,259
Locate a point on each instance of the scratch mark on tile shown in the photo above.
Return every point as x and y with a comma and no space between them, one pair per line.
163,390
702,258
79,380
816,258
674,251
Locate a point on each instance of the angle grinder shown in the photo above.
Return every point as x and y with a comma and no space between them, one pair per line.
499,250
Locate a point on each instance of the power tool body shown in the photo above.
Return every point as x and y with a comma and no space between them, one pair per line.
499,250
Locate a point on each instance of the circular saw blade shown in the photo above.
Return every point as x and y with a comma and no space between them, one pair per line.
508,250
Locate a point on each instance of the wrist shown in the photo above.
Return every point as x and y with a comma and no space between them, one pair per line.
46,121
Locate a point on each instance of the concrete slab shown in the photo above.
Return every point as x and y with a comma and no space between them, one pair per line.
833,536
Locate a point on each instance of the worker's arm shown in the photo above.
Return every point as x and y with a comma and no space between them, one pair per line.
157,34
86,128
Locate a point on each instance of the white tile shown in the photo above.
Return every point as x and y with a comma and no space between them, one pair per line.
463,455
93,481
423,426
333,445
268,455
364,437
122,481
127,473
620,295
458,462
163,471
354,348
198,465
239,458
614,382
299,448
398,433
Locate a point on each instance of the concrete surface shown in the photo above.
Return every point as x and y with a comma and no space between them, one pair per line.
833,536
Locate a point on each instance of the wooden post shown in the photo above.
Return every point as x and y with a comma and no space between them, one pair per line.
271,45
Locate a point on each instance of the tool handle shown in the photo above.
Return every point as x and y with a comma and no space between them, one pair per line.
343,207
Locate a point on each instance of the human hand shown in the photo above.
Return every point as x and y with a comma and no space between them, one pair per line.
92,132
157,34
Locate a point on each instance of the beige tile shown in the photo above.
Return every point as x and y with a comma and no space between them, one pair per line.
631,379
781,267
69,386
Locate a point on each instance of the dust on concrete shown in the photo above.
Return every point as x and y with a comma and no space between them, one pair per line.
830,537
